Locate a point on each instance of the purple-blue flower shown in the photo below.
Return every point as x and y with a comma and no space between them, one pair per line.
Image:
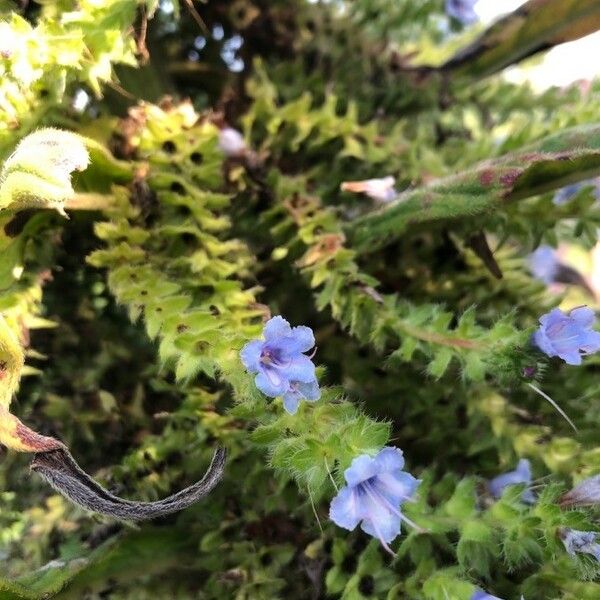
543,264
281,367
463,10
376,488
580,541
565,194
568,336
522,474
481,595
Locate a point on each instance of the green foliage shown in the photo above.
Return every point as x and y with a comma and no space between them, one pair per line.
132,312
70,42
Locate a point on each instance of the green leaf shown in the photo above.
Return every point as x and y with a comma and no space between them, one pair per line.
12,255
335,580
477,548
38,173
566,157
264,435
535,26
437,367
445,584
463,502
149,551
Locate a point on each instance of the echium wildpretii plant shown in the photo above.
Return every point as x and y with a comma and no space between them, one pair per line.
328,239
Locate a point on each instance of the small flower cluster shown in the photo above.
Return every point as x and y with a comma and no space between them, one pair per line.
281,367
376,486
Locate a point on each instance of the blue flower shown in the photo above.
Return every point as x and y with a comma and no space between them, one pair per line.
480,595
463,10
568,336
580,541
281,367
565,194
300,391
543,264
376,488
522,474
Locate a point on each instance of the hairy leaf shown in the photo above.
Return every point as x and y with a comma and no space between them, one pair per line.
566,157
535,26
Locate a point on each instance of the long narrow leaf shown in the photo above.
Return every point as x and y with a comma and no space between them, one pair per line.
555,161
535,26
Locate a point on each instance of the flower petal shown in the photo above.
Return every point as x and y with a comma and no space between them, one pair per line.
590,342
275,328
362,468
571,357
390,459
584,316
552,317
522,474
586,492
250,355
346,508
524,469
543,263
291,400
480,595
397,487
302,338
565,336
566,193
379,521
386,529
463,10
498,484
270,382
528,497
299,368
310,391
580,541
300,391
541,340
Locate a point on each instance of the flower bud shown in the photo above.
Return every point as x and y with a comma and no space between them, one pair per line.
587,493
